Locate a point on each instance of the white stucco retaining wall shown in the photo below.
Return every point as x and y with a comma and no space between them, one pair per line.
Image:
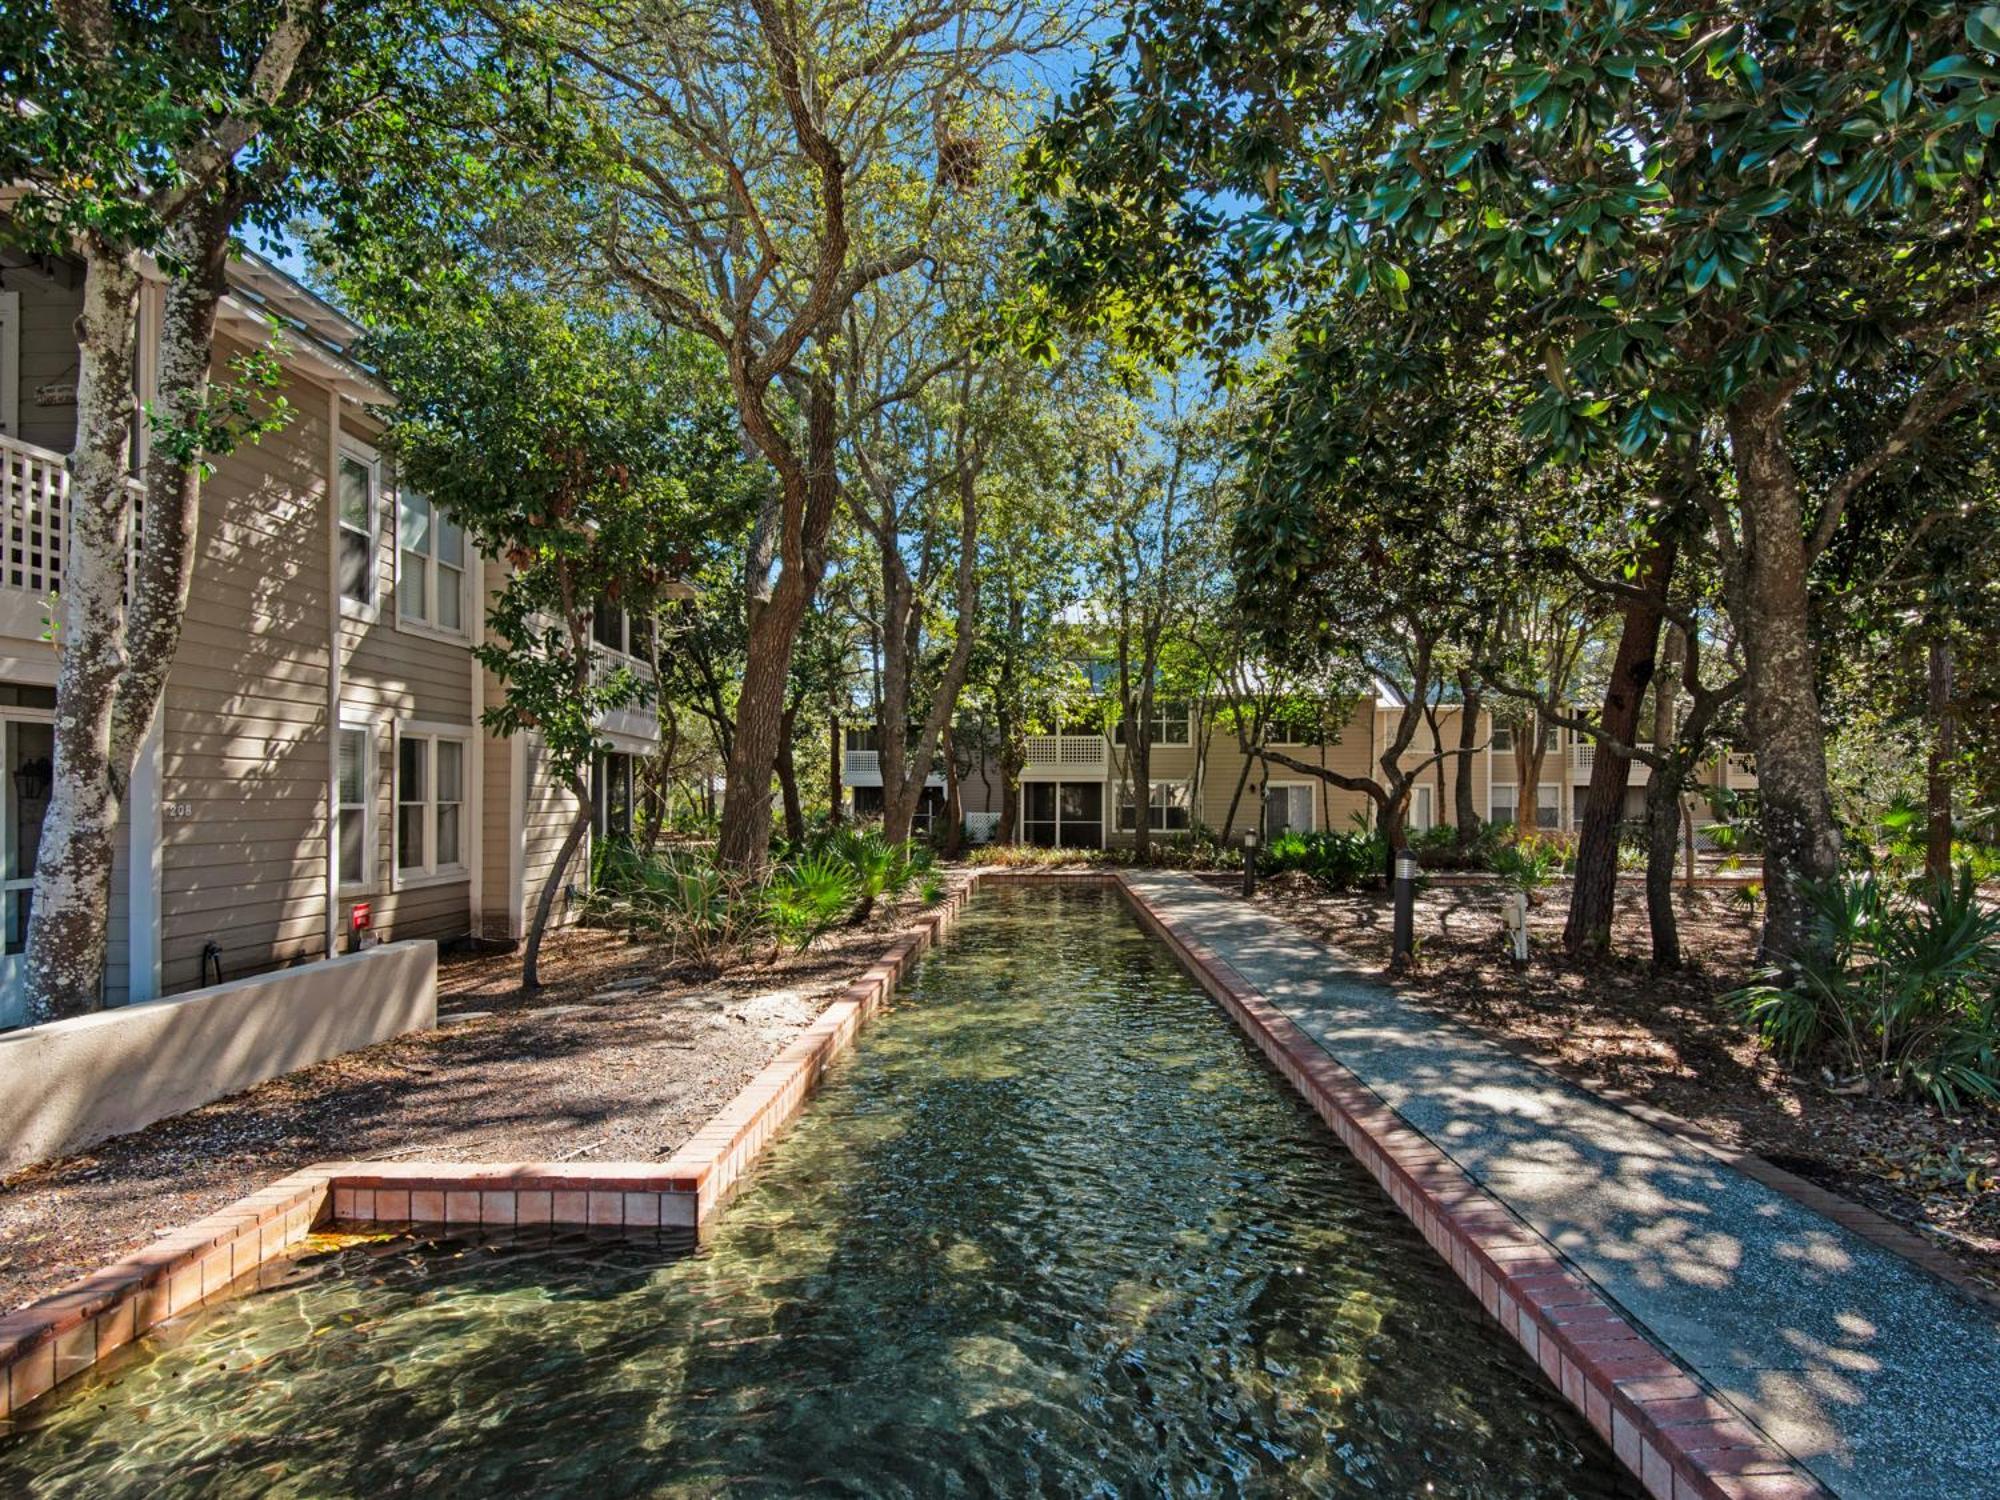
72,1083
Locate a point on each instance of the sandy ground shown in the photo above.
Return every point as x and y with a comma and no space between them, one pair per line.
619,1057
1667,1039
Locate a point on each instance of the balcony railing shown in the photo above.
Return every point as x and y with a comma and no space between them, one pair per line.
34,491
35,483
861,767
1066,752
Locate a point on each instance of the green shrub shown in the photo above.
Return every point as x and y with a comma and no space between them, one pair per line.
1527,865
1896,990
808,898
1336,860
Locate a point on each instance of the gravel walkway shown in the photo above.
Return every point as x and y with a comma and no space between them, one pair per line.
618,1058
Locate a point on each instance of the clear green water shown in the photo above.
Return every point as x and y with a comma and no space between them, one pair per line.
1053,1230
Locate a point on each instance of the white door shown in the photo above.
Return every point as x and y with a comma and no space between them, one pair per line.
27,744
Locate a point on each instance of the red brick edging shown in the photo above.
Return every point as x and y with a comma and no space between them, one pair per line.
61,1336
1670,1431
1667,1428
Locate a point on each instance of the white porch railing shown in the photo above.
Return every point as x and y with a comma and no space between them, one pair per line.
1066,752
1583,755
34,494
35,485
861,767
981,826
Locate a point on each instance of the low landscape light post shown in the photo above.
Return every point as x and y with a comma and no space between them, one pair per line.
1250,864
1403,938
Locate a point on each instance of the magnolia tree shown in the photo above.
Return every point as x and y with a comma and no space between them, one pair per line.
1717,214
598,465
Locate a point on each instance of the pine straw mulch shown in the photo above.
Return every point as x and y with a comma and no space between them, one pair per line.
1668,1040
621,1056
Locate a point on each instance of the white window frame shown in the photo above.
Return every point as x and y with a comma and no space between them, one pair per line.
1160,706
430,872
1552,789
371,608
364,884
417,625
1312,802
1153,789
1501,741
1420,815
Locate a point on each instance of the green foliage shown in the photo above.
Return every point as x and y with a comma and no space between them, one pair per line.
809,897
1338,860
1527,865
1902,992
599,462
705,915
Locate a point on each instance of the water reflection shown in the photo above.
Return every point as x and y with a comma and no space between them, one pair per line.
1051,1231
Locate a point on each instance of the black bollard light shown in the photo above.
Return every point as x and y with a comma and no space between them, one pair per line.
1249,864
1405,892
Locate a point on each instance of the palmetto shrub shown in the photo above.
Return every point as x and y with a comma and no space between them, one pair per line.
1335,859
808,898
1901,992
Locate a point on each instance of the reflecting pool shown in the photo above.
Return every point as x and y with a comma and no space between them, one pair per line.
1053,1229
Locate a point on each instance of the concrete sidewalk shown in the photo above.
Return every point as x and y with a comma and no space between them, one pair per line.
1882,1380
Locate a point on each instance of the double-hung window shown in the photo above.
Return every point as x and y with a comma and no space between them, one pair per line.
430,577
430,804
356,483
1171,808
1169,725
353,784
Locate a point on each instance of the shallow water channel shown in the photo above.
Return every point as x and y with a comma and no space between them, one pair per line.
1053,1229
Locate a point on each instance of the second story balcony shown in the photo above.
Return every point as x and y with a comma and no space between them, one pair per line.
34,493
1054,757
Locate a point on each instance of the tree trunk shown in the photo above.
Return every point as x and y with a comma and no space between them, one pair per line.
1663,825
1528,756
788,777
1236,798
1767,588
811,493
1139,763
1594,892
835,768
66,924
954,809
1466,808
1938,774
1009,831
531,955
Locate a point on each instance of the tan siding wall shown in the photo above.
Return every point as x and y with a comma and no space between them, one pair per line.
549,811
392,675
244,745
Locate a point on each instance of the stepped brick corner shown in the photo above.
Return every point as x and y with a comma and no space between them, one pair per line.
61,1337
1665,1426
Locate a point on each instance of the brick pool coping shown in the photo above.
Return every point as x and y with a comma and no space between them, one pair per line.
1661,1422
1663,1425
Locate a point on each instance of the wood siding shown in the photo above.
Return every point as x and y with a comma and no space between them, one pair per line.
244,745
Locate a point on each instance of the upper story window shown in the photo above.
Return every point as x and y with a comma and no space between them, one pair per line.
863,739
430,580
356,481
1297,727
1170,725
627,634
